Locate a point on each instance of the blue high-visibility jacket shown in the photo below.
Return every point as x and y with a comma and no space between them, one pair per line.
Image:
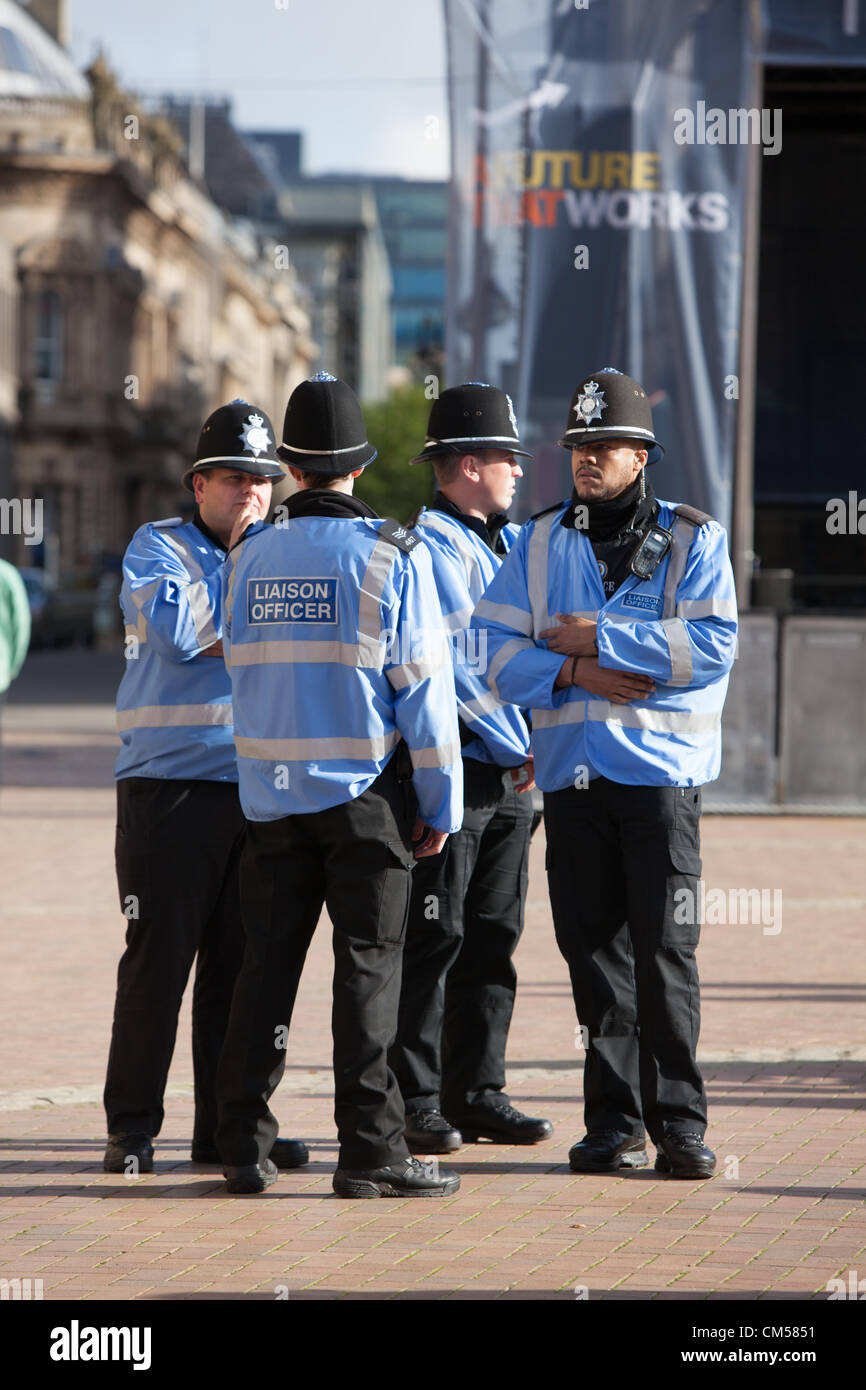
335,644
679,627
174,711
463,567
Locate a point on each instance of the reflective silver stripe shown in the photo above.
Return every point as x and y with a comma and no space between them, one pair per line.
350,449
319,750
682,540
370,604
456,622
472,710
572,713
680,651
172,716
196,593
183,550
504,655
628,430
138,630
451,530
443,756
144,592
230,590
198,598
288,652
539,542
473,439
660,721
411,672
693,608
506,614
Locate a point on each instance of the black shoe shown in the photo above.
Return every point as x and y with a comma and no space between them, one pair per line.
251,1177
502,1124
123,1147
683,1154
606,1151
428,1132
286,1153
407,1179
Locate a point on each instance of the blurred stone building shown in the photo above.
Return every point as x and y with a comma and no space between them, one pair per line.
130,305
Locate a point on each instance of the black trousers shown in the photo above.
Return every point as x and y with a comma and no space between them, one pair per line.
357,858
177,853
616,856
465,921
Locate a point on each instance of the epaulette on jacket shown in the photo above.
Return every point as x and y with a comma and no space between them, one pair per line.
692,515
169,521
401,536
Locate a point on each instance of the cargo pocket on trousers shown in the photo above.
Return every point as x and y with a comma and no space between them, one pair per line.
134,879
684,845
395,894
682,927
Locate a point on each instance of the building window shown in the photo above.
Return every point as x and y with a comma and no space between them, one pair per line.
49,337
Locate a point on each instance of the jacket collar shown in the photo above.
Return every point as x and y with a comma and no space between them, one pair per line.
326,502
610,520
206,531
489,533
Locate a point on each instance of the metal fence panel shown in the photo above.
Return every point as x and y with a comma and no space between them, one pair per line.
749,773
823,712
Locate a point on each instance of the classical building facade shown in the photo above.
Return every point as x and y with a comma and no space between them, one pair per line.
130,305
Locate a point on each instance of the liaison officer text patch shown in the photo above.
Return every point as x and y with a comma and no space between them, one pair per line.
650,602
291,600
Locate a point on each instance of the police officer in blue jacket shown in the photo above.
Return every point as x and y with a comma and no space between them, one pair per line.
179,820
349,765
468,901
614,619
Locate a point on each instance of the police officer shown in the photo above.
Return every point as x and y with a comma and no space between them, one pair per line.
614,619
179,820
336,720
468,901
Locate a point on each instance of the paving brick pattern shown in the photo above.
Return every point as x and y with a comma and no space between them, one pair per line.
784,1057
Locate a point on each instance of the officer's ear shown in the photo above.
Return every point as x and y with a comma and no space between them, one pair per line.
469,466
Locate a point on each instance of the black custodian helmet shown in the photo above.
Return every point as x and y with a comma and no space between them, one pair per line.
324,430
471,417
237,436
610,405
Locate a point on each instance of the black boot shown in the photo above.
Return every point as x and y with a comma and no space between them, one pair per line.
408,1178
606,1151
121,1148
428,1132
501,1123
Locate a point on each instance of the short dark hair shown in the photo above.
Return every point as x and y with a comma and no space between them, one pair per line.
446,466
323,480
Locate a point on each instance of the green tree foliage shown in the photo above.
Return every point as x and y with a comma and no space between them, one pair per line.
397,428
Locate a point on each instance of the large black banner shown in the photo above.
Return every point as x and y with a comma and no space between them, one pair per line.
599,168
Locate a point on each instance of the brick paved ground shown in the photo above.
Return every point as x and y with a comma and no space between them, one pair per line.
783,1046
